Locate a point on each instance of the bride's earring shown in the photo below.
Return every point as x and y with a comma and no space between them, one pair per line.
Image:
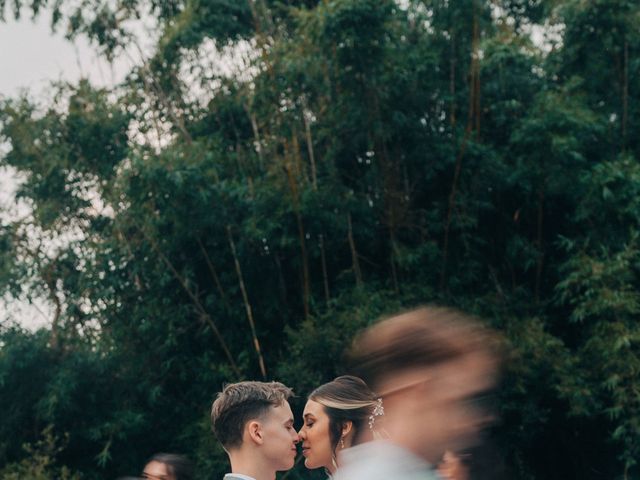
342,442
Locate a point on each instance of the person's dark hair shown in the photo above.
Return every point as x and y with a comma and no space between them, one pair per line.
177,465
345,399
241,402
424,337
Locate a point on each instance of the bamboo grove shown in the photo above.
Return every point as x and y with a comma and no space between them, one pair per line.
276,175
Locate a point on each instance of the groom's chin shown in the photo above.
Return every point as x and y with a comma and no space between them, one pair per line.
287,466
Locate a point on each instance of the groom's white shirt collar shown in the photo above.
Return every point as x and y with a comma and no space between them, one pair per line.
238,475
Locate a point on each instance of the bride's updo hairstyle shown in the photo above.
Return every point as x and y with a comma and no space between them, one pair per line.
348,399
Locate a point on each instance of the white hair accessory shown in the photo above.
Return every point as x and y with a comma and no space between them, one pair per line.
378,411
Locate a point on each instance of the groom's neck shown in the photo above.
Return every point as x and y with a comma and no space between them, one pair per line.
252,464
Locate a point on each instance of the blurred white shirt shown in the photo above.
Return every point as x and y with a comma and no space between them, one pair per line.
382,460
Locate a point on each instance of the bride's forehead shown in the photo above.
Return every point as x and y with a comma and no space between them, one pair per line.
313,408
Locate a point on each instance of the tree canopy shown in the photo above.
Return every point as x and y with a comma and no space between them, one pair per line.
278,174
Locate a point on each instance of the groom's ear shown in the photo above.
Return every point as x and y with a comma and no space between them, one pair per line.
254,431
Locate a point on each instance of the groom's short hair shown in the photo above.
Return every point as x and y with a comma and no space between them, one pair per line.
241,402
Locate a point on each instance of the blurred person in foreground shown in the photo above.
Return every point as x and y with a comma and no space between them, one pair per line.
168,466
254,423
430,366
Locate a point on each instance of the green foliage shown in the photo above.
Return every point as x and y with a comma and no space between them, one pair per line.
374,155
40,462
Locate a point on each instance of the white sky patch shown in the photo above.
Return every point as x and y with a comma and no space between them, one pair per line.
30,315
35,57
202,68
10,209
32,57
547,36
30,310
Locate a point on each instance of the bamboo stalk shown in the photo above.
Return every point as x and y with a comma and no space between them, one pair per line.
452,202
301,236
50,282
452,81
196,301
312,160
300,170
473,120
256,135
394,273
283,285
539,239
325,276
247,305
214,273
153,86
625,95
354,253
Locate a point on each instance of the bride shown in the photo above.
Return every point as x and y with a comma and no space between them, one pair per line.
337,415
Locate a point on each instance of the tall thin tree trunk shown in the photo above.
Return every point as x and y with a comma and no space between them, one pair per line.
450,208
241,160
314,185
473,121
394,272
281,281
50,281
196,301
301,171
539,242
392,191
325,276
153,85
301,236
213,273
247,304
476,74
452,80
625,94
256,135
312,157
354,253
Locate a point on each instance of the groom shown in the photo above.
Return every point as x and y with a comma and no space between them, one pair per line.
254,423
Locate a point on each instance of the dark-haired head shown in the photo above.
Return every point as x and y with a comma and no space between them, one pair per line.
336,416
346,399
178,467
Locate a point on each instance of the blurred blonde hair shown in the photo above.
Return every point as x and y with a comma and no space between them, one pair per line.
423,337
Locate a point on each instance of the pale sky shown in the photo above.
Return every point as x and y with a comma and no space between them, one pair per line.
31,56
